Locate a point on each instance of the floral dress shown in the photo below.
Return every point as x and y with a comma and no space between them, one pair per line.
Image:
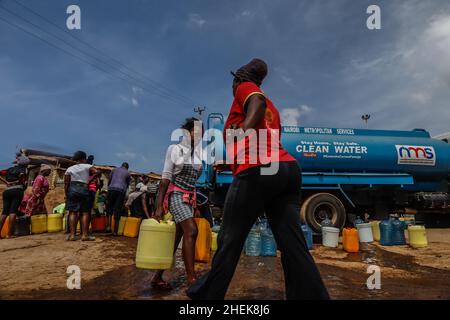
36,203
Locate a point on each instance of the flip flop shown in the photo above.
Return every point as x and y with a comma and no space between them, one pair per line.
88,238
70,238
161,284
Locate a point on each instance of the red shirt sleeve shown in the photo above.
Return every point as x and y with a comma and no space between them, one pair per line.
246,90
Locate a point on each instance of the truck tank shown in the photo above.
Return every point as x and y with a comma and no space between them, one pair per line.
375,151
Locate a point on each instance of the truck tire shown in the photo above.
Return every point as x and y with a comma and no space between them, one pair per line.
318,206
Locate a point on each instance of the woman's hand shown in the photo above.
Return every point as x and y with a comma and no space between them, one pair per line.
159,212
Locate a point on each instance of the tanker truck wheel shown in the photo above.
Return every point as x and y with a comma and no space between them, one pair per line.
319,206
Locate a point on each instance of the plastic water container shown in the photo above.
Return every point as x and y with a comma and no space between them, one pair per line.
326,222
253,243
268,243
215,228
398,232
307,232
131,228
203,242
365,232
60,208
39,224
99,223
54,222
358,220
417,236
330,237
376,230
5,228
213,242
350,240
122,223
23,226
155,245
386,233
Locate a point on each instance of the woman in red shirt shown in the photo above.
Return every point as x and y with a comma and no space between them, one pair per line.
267,179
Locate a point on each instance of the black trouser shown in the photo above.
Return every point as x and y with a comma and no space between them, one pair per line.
249,196
114,204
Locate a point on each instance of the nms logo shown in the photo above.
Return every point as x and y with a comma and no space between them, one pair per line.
416,155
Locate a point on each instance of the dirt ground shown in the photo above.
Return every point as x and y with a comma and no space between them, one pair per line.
34,267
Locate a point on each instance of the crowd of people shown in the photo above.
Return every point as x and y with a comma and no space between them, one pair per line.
251,194
83,189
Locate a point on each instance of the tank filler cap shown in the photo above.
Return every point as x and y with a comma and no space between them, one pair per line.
419,129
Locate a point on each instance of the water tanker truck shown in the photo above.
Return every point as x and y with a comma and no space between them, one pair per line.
349,172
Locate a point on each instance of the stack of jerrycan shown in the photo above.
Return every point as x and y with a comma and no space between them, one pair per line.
55,222
155,248
131,228
417,236
253,242
203,242
308,234
99,223
39,224
350,240
376,230
215,233
122,223
330,235
364,231
268,243
23,226
392,232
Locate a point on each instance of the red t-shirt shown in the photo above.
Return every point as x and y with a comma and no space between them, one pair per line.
245,154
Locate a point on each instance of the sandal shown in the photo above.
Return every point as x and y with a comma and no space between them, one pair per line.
161,284
88,238
70,238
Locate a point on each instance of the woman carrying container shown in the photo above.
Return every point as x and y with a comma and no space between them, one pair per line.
77,195
182,168
15,179
41,186
266,179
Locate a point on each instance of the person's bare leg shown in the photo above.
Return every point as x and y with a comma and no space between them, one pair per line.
108,223
189,237
85,219
73,220
158,277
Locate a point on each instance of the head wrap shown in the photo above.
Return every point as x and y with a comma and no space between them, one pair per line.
255,71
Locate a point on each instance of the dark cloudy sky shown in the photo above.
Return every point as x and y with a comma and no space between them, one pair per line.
326,69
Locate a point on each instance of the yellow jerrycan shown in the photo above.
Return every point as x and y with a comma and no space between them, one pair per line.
214,242
376,230
417,236
155,245
54,222
131,228
203,243
122,223
39,224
